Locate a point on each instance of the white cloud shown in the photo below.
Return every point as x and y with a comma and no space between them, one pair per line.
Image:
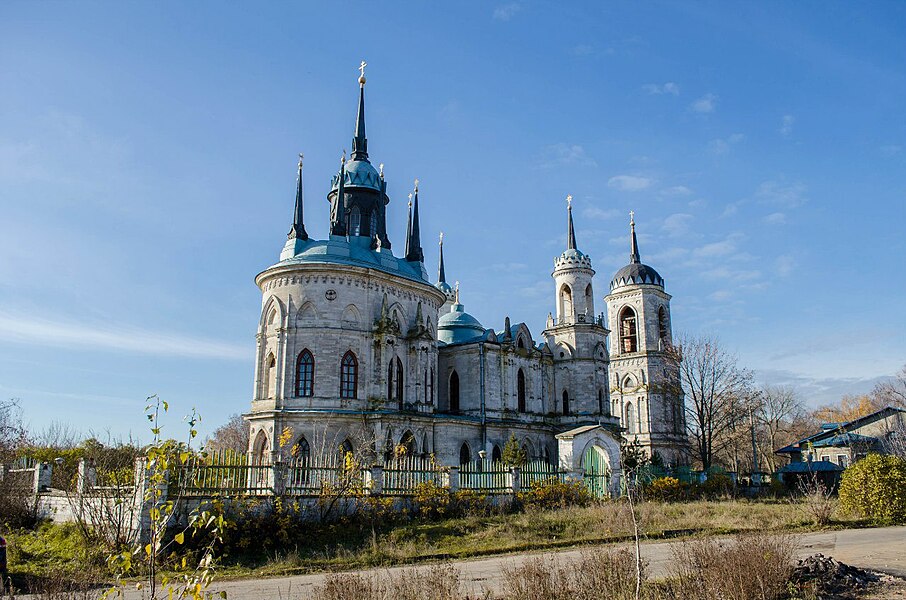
722,146
724,247
785,265
721,295
505,12
25,329
777,218
567,154
628,183
706,104
593,212
788,195
667,88
676,190
677,224
786,125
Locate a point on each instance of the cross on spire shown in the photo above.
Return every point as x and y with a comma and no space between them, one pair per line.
362,72
571,231
634,243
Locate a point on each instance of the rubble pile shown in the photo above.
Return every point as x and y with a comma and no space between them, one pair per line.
831,578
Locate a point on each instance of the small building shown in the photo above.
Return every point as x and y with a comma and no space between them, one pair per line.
844,443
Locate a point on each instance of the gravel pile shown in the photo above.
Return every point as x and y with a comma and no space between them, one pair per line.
831,578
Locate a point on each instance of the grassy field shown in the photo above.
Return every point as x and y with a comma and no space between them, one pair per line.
53,550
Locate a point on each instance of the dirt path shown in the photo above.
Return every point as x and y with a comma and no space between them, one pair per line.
881,549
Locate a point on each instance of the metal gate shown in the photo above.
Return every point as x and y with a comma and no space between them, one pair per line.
597,472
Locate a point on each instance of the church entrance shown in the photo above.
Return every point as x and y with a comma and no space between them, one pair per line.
597,471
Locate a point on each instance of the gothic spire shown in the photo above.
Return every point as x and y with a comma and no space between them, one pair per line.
297,231
413,239
634,247
338,208
571,234
441,275
409,226
360,142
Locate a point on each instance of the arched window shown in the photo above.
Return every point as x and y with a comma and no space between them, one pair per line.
495,453
399,383
270,376
431,385
372,231
589,301
301,449
565,402
425,388
355,221
630,419
520,343
345,448
601,404
305,374
566,304
454,392
629,339
349,376
662,328
465,455
520,390
407,443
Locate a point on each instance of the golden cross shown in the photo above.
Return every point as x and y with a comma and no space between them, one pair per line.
362,68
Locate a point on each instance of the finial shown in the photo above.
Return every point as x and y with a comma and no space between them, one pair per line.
362,73
382,170
632,218
456,292
569,201
441,238
410,199
416,185
343,158
633,242
301,156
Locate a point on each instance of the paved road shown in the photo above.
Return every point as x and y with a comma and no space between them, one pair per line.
881,549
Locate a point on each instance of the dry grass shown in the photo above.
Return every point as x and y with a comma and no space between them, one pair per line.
603,573
441,582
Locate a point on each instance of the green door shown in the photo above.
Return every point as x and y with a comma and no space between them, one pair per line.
597,473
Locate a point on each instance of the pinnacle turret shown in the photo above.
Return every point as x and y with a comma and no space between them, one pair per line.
413,237
297,231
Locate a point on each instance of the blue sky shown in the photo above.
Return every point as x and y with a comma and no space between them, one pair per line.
148,152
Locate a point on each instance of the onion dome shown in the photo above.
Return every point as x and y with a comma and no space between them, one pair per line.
635,273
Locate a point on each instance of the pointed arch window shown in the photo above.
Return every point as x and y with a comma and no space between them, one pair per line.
349,376
407,443
589,301
305,374
662,328
495,453
520,391
465,455
602,406
431,386
454,392
373,224
630,419
565,402
629,339
301,449
355,221
270,377
566,304
399,383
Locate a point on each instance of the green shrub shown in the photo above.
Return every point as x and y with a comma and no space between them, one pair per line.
667,489
717,485
551,494
875,488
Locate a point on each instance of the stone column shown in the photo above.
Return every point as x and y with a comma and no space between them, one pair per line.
515,480
453,478
376,479
88,476
43,473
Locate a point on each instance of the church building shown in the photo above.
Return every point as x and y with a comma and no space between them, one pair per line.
358,350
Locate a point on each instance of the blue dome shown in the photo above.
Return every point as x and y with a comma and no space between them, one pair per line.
359,173
458,326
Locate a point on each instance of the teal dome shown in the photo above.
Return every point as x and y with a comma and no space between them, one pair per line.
359,173
458,326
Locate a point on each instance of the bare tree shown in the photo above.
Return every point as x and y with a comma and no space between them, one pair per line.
716,390
12,431
778,410
892,392
232,435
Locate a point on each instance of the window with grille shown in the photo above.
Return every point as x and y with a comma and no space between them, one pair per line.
305,374
349,376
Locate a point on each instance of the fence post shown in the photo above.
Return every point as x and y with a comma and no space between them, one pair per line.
88,476
43,474
453,478
376,484
515,480
279,486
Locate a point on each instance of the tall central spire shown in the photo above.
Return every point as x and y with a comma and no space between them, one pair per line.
571,234
297,231
634,244
441,275
414,239
360,142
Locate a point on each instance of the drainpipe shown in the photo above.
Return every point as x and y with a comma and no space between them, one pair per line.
481,358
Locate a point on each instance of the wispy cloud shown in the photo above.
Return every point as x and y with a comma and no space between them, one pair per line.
676,190
660,89
785,265
706,104
594,212
777,218
629,183
505,12
723,145
780,193
786,125
725,247
677,224
25,329
566,154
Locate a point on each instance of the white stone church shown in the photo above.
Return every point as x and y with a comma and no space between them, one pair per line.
357,349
